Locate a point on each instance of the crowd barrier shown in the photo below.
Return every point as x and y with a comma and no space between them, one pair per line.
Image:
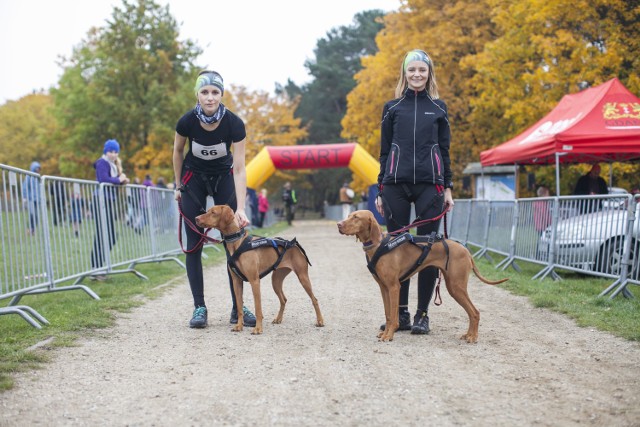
55,232
58,230
592,235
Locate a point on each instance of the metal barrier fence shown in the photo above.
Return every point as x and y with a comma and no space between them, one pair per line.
595,235
54,230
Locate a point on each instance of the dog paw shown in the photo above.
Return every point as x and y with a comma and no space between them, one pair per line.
277,320
471,339
237,328
256,331
320,323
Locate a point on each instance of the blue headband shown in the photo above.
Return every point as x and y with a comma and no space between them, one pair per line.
209,78
415,55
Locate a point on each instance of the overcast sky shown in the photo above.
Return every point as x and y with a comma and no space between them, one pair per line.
278,36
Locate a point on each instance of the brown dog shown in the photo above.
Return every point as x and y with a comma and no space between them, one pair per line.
392,265
253,262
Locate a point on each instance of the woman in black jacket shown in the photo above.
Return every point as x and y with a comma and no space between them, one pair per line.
415,168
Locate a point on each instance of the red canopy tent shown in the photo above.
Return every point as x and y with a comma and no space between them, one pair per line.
598,124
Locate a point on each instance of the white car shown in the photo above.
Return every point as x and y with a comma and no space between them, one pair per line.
595,241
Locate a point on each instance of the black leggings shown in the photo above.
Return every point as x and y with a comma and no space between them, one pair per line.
194,199
97,254
397,199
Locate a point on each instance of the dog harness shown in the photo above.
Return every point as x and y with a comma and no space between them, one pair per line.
390,242
280,245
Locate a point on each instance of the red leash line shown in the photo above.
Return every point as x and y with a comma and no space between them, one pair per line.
204,238
421,222
437,299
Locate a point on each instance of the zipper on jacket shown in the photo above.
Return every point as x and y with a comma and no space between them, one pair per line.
393,157
415,122
434,154
395,160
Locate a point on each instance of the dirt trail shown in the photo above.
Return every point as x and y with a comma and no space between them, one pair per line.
530,366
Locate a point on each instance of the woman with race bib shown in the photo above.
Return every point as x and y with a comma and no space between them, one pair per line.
209,169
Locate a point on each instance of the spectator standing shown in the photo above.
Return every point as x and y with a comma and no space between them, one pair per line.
31,197
108,170
290,200
263,206
541,213
542,210
588,185
346,199
161,183
76,206
58,199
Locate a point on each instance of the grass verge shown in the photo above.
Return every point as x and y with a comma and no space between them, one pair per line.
575,295
74,313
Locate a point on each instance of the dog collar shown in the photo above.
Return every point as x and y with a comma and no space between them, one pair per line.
367,245
235,236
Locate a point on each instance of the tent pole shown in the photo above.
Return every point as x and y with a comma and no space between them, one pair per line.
557,174
483,183
517,179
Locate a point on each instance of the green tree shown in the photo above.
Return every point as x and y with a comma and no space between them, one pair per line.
323,101
128,81
545,50
25,129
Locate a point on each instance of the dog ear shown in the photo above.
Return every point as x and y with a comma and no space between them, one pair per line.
375,235
229,216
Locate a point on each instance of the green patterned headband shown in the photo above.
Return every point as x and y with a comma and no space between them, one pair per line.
209,78
415,55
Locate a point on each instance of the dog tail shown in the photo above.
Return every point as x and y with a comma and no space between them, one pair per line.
479,276
295,242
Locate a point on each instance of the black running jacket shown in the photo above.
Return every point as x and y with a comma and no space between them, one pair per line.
414,141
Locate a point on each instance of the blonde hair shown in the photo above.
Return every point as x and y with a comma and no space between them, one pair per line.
118,163
432,85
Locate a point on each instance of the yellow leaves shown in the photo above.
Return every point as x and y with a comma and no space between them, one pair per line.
269,120
26,125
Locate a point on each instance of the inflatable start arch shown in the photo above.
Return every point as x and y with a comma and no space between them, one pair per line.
349,155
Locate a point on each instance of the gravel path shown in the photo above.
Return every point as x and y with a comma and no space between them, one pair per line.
530,366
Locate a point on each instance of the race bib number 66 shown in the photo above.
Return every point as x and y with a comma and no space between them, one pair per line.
208,152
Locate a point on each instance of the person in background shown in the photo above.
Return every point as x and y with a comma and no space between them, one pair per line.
161,183
588,185
148,182
591,183
346,199
263,206
58,198
107,171
76,207
209,169
290,200
31,197
541,213
415,168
